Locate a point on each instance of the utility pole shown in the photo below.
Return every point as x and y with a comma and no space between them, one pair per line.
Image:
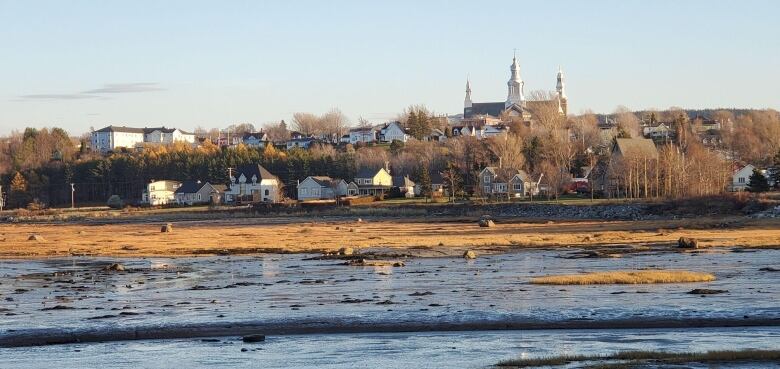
2,198
72,196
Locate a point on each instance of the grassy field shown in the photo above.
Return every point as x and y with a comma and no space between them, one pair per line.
631,359
626,277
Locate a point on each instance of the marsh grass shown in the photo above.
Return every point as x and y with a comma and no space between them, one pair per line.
631,359
626,277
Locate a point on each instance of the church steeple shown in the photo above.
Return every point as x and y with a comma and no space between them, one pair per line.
467,100
515,85
560,86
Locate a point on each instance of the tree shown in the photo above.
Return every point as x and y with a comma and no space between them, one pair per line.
18,196
758,182
423,179
627,122
418,121
396,146
452,179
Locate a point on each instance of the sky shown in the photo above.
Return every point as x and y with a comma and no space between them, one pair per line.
188,63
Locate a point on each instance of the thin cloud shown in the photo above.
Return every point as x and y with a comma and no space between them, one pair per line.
121,88
58,96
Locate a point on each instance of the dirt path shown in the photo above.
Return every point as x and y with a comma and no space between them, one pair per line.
425,237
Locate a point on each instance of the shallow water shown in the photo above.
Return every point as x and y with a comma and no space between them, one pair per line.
392,351
289,289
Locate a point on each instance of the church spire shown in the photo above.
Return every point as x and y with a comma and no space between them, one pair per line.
467,100
515,85
560,86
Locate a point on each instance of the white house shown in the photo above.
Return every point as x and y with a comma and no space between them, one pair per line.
255,139
162,135
364,135
111,138
195,192
321,188
393,132
741,178
405,186
253,183
303,143
160,192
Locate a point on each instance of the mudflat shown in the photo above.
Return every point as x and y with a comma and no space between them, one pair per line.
417,236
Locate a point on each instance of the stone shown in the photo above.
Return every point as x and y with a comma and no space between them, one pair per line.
35,237
469,254
168,228
486,221
251,338
346,251
687,243
115,267
706,291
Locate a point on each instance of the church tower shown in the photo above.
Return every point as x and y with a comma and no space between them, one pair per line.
560,87
515,86
467,100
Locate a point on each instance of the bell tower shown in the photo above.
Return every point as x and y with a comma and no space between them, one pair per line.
514,86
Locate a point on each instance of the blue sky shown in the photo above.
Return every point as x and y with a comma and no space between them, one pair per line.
81,64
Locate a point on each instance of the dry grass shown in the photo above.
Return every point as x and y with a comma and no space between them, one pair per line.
287,234
630,359
626,277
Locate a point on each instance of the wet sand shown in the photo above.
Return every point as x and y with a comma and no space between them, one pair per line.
415,236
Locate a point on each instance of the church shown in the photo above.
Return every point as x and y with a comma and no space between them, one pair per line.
516,104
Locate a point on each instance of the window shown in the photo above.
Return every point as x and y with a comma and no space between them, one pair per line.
741,179
518,187
266,192
304,192
198,196
487,189
487,178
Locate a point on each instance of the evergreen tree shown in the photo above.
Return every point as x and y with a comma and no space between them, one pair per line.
423,179
396,146
18,196
758,182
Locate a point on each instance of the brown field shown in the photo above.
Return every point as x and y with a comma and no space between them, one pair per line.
418,236
626,277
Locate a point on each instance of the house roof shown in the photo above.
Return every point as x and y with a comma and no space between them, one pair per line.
367,172
121,129
636,147
189,187
259,135
256,170
325,181
489,108
506,174
436,177
218,187
402,181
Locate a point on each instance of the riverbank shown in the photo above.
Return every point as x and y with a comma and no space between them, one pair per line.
411,236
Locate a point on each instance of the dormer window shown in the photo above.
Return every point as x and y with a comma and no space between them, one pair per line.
254,179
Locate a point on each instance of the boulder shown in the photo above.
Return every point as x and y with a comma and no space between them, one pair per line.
115,267
251,338
687,243
168,228
346,251
486,221
706,291
469,254
35,237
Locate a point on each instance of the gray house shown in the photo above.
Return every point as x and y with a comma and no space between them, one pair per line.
321,188
195,192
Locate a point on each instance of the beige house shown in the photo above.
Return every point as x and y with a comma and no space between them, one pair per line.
160,192
253,183
373,181
196,192
505,182
321,188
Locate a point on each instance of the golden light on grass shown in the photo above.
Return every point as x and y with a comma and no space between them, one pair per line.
626,277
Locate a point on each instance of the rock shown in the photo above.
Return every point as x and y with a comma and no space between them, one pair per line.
115,267
687,243
469,254
168,228
251,338
706,291
486,221
346,251
375,263
35,237
769,269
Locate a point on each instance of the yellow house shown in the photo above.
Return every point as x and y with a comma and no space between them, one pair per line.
373,181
